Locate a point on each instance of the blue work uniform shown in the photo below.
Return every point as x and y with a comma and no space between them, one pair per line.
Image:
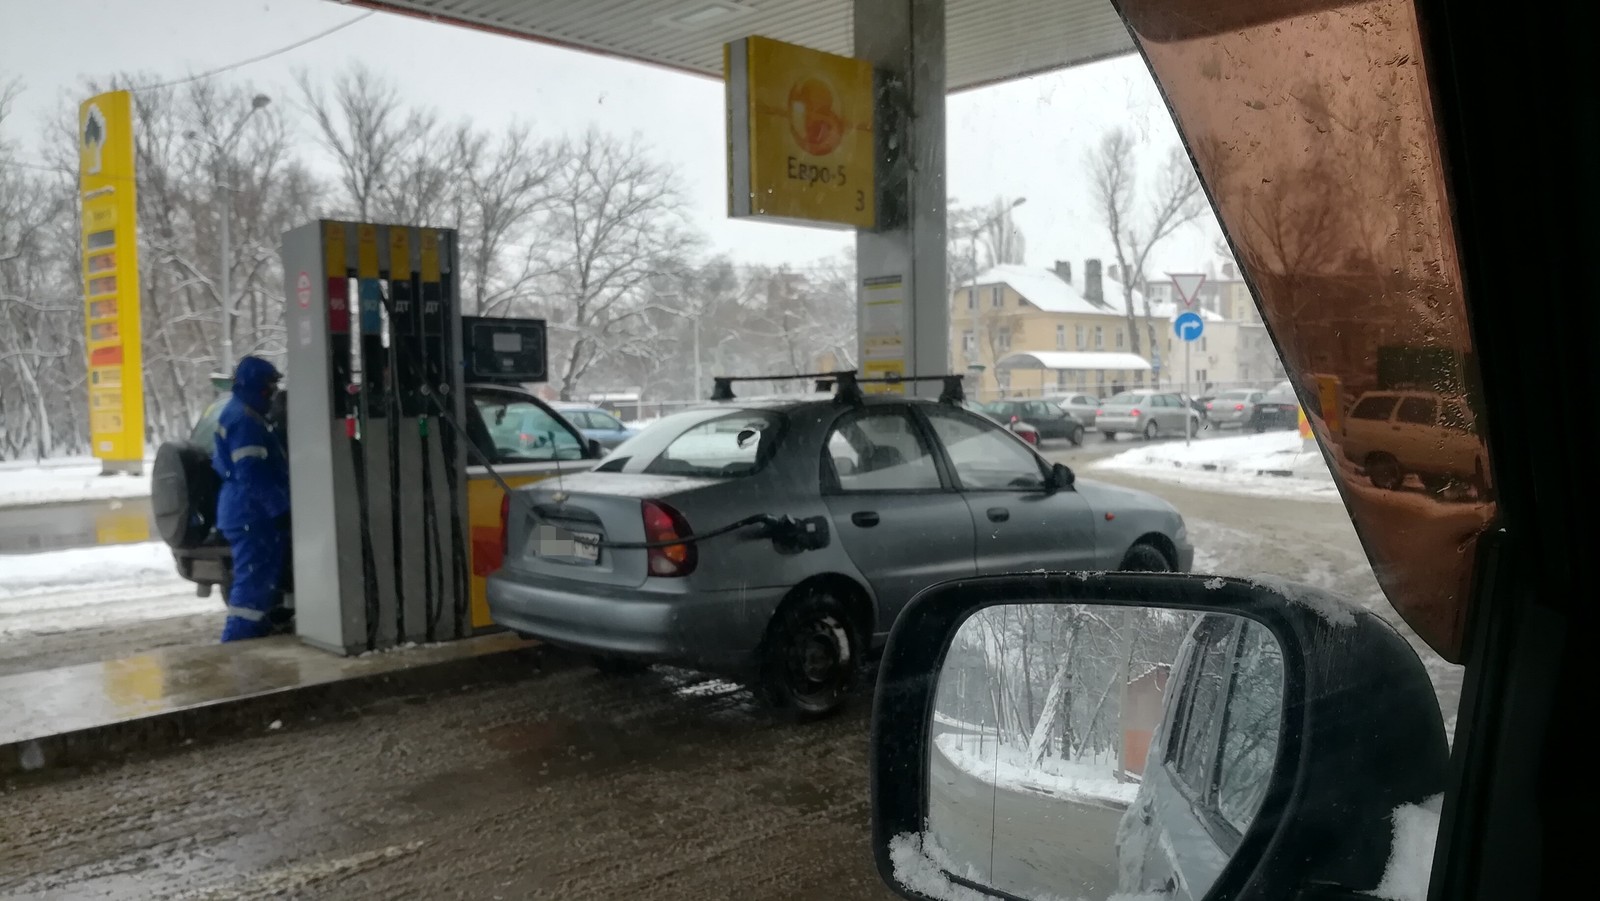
253,505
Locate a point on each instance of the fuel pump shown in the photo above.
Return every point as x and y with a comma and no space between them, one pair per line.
376,478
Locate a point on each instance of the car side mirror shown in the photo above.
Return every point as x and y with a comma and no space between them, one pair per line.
596,449
1061,477
1096,736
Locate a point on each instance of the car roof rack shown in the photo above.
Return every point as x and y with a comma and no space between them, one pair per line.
846,384
722,385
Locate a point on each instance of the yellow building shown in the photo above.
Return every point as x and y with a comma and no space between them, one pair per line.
1034,331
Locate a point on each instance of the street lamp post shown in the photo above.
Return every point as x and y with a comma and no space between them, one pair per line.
224,203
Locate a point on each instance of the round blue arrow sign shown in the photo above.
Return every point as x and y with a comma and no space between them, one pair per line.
1188,326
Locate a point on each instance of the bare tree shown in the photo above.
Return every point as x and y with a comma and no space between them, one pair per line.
615,221
1137,228
504,184
371,136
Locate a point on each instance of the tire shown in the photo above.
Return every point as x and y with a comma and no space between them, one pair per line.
811,655
183,494
1384,472
1077,437
1151,431
617,666
1145,558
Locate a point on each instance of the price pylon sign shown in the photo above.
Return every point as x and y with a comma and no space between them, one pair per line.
109,204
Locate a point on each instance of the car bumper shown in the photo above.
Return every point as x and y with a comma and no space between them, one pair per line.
1109,423
205,565
716,630
1185,556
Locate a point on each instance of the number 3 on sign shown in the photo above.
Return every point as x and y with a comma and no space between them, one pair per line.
861,201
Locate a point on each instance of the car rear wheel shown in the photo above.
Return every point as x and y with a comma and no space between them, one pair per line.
811,655
1145,558
1384,472
1077,436
1151,430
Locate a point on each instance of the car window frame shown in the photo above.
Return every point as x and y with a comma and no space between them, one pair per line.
828,482
1202,800
926,412
500,458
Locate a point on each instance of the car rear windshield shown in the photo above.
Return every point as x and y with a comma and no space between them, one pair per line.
726,445
1124,399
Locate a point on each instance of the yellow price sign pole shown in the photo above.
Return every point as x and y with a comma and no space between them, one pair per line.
109,205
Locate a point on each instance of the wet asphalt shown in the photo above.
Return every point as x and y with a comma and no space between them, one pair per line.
569,785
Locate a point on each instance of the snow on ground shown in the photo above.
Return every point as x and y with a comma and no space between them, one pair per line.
982,757
1275,464
31,483
61,590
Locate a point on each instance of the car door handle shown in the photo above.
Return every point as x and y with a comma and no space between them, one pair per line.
999,514
866,519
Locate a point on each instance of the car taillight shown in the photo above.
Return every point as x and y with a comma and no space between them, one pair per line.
1208,405
1134,412
1013,419
1099,412
1238,406
1031,437
662,523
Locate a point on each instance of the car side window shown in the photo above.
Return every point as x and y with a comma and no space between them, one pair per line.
205,431
521,431
604,422
1377,408
1417,411
1249,746
1190,753
879,449
1454,417
985,456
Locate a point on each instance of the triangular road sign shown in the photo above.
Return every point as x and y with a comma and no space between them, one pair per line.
1188,285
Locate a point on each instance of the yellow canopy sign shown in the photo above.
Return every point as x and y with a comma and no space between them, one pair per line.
800,139
110,204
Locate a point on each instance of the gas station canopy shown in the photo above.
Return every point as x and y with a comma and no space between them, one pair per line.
987,41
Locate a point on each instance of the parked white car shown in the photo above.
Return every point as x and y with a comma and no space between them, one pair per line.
1392,434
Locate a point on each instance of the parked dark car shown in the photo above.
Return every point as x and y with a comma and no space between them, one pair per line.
1051,420
1277,409
184,488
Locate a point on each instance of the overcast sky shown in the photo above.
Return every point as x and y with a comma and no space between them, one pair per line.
1022,139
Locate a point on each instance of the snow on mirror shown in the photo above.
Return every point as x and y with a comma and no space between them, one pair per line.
1100,752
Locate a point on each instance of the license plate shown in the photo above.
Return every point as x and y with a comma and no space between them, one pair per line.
576,547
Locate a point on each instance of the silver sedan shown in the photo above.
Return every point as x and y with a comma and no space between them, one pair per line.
777,541
1151,414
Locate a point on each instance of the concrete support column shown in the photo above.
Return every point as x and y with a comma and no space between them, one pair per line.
905,42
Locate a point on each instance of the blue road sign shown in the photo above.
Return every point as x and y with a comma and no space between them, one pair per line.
1188,326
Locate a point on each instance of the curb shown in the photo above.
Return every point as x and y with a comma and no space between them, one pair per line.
143,737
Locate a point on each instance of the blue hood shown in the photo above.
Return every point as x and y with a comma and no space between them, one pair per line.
250,381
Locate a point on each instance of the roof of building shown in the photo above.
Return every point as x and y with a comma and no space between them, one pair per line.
1074,360
1045,290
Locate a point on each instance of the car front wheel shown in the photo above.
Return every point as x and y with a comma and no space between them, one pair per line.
1384,472
1145,558
1077,437
811,655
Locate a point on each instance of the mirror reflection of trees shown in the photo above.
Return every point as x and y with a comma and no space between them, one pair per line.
1038,683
